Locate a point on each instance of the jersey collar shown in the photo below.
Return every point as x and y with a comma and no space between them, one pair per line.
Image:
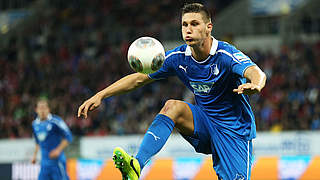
48,118
213,49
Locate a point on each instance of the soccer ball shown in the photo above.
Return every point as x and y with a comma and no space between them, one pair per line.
146,55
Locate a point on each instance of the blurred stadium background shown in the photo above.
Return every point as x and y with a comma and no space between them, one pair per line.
68,50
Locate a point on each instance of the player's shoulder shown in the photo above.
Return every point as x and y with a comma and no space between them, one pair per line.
36,122
58,121
177,52
230,51
55,119
225,46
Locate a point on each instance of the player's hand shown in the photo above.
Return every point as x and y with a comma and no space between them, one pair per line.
89,105
247,89
54,154
33,160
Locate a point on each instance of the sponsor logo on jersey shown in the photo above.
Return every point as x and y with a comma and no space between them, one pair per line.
183,68
241,57
201,88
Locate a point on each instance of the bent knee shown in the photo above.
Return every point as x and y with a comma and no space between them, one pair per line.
172,106
175,109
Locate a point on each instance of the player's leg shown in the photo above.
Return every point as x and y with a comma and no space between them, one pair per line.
44,173
200,138
59,172
180,113
232,157
174,114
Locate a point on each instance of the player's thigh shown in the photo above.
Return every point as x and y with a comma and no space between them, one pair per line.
44,173
59,172
200,139
181,115
232,157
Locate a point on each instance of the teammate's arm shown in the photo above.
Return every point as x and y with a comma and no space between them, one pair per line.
257,80
125,84
34,157
56,152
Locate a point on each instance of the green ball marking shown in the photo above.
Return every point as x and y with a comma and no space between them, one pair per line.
157,62
135,64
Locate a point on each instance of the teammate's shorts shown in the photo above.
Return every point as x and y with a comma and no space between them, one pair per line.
53,172
232,157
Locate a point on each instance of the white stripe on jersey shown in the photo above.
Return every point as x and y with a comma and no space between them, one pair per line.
227,53
62,171
60,123
177,52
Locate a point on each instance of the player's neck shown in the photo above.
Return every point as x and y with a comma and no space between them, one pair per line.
44,117
202,51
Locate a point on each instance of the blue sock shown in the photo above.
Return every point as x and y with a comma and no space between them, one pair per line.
155,138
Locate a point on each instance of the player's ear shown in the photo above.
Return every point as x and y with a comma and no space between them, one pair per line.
209,27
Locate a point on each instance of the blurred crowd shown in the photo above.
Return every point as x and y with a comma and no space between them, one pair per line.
290,100
69,53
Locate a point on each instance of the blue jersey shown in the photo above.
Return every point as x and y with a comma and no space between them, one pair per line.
212,81
48,135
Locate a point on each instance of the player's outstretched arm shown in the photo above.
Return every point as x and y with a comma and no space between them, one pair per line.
125,84
257,81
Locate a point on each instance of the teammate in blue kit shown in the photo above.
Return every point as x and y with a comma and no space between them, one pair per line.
52,136
220,122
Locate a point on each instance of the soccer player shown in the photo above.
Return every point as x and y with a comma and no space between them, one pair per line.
52,136
220,122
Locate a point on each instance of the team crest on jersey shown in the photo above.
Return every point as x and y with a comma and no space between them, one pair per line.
201,88
214,69
241,57
42,136
239,177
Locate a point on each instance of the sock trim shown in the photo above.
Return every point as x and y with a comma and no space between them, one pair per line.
169,122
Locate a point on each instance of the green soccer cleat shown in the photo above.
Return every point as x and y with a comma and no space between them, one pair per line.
128,165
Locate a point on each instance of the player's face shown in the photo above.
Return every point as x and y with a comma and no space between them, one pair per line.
42,110
195,29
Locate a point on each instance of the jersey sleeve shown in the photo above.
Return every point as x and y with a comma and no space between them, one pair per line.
64,129
240,62
166,69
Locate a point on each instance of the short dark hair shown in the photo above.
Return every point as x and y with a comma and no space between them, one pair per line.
42,99
196,8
